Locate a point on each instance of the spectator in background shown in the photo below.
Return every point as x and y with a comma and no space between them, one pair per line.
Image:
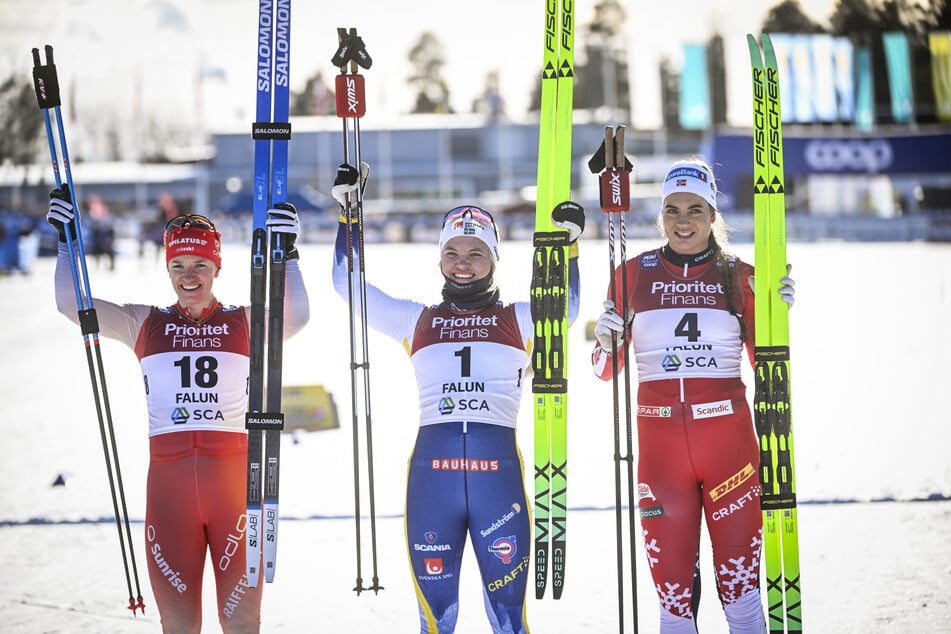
102,231
151,230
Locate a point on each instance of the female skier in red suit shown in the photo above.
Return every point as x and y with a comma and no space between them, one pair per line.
690,314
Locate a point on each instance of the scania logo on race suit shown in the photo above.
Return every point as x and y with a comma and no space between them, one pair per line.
446,405
179,415
848,155
671,363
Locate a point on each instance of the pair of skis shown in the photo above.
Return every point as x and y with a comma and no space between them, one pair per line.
46,85
772,396
351,55
265,421
549,290
614,171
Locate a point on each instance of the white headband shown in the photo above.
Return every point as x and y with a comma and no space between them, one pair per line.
691,178
474,222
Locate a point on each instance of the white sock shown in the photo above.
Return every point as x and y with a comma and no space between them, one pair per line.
745,615
670,624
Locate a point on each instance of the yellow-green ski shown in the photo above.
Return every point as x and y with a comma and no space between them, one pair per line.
549,298
772,402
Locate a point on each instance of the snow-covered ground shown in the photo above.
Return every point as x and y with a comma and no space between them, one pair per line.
869,369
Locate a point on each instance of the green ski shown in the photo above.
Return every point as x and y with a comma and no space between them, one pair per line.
549,298
772,402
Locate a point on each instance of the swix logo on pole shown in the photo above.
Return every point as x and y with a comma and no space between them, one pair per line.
350,97
615,191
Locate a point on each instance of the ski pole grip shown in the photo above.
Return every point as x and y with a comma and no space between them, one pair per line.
615,191
45,81
350,96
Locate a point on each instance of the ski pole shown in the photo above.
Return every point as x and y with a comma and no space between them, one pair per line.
46,86
351,106
614,169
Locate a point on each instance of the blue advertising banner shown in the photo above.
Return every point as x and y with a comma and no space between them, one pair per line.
864,90
890,155
825,107
695,89
899,76
842,53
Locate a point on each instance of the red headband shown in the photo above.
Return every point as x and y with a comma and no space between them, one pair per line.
189,240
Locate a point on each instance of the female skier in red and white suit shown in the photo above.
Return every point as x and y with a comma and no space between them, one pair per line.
194,357
690,312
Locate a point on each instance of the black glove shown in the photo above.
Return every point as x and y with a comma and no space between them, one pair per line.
61,214
345,183
282,218
570,216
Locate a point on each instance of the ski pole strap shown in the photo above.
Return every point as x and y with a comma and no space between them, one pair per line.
351,49
614,168
88,321
45,80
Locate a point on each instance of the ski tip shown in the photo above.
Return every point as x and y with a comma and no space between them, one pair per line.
768,47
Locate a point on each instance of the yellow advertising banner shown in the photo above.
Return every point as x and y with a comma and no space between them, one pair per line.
940,44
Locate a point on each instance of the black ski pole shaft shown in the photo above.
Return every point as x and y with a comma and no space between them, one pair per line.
368,418
615,393
614,169
46,85
632,507
351,106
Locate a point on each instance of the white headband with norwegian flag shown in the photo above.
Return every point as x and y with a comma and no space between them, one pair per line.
692,178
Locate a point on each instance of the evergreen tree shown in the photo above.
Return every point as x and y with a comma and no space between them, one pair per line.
601,74
428,56
22,122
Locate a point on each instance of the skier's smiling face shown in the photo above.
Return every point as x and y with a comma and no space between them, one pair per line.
192,278
465,259
688,221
